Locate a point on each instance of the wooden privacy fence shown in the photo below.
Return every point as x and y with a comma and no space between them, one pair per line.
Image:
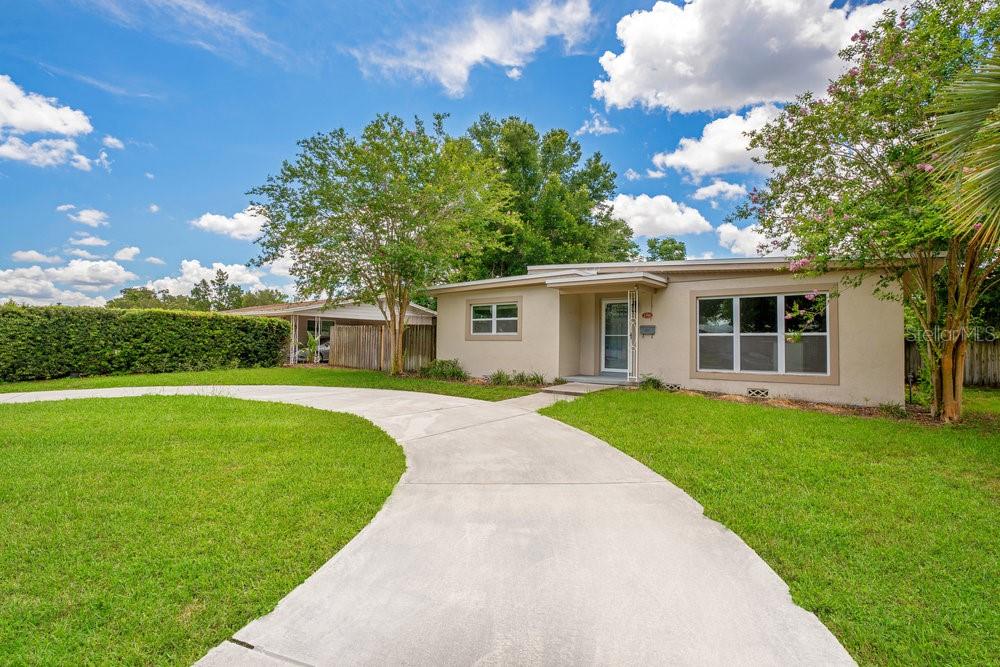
982,363
370,346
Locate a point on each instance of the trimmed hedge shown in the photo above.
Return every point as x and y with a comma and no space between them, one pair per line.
57,341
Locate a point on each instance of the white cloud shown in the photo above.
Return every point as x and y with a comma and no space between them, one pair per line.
33,287
745,242
154,208
127,254
510,41
719,189
706,55
36,285
113,142
514,73
90,275
43,153
155,260
281,266
150,176
27,113
34,256
192,271
103,160
632,175
91,217
62,208
596,124
245,225
722,147
655,173
83,254
88,240
654,216
194,22
22,113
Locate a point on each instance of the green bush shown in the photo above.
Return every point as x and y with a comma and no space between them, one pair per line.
444,369
526,379
498,378
58,341
650,382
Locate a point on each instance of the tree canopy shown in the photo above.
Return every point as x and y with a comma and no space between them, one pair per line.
560,198
219,294
381,216
665,248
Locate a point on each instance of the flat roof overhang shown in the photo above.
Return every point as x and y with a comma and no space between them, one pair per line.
604,281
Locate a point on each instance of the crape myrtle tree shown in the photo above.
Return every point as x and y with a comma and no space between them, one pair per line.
851,184
381,216
560,198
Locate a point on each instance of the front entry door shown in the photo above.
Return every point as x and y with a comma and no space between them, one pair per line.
614,327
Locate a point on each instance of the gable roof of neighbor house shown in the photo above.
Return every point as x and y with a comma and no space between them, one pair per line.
348,310
651,274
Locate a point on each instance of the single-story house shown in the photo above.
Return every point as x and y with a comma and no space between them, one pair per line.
319,316
712,325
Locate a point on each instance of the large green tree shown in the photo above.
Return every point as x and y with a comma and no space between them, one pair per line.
560,197
851,186
381,216
665,248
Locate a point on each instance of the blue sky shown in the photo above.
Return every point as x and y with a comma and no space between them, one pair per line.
131,129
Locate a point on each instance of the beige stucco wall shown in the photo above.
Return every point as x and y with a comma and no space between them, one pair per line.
561,336
569,334
538,349
870,345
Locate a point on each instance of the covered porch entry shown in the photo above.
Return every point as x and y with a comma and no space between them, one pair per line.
599,325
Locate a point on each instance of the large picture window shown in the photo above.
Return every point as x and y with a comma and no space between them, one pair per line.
782,334
490,319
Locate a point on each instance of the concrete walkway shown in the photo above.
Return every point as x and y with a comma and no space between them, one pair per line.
515,539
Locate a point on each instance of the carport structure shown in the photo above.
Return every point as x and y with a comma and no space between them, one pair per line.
319,316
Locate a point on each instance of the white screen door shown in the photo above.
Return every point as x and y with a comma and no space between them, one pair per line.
614,325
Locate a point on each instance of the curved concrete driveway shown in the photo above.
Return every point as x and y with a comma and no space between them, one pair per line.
516,539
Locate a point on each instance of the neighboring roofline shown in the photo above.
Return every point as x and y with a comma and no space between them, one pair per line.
309,305
263,310
423,308
508,281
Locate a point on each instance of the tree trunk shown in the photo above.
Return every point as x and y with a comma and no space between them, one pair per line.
395,331
953,376
398,353
948,408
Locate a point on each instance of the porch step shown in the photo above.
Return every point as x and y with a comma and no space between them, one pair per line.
576,388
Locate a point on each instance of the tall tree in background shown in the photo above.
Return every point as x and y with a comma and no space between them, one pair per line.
665,249
144,297
262,297
382,216
560,197
851,185
217,294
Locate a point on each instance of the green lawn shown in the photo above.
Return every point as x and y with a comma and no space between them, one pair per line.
323,377
982,403
146,530
889,531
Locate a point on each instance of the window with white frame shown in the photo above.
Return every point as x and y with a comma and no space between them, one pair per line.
781,333
494,318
